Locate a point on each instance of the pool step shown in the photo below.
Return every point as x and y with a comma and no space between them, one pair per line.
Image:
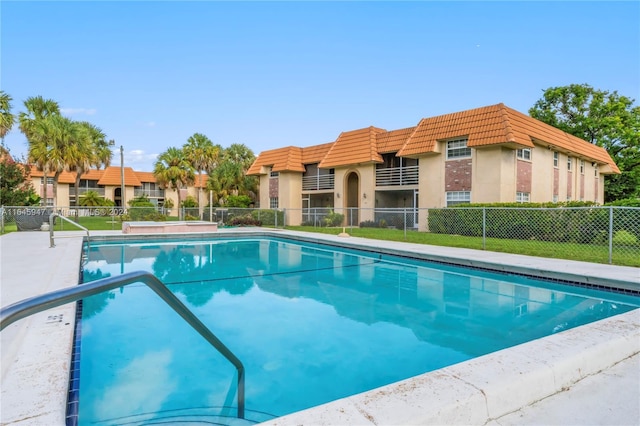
192,417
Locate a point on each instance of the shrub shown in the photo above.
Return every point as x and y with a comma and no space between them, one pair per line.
245,220
141,207
333,219
268,217
625,238
190,217
238,201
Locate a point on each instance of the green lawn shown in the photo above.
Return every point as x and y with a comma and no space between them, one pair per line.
622,255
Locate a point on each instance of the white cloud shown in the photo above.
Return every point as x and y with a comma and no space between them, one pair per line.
78,111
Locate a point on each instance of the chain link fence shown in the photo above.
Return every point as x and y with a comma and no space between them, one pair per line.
110,218
595,234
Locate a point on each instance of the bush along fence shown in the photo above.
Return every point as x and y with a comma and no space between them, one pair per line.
31,218
604,232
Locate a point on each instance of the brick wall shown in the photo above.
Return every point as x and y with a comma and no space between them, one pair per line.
458,175
273,188
523,177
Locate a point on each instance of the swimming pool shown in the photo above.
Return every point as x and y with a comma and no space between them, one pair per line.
263,295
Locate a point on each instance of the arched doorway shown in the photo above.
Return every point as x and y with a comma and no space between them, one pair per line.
117,197
353,199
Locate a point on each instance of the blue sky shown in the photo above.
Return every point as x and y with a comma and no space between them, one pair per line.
274,74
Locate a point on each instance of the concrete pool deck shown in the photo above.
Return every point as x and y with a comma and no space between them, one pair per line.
587,375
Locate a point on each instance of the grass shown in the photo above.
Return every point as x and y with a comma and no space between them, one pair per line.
621,255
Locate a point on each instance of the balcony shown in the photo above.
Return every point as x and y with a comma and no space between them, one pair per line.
82,191
150,193
318,182
397,176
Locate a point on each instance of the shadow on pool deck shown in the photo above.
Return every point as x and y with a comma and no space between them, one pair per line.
35,355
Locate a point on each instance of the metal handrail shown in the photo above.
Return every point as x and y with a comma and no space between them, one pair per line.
54,215
27,307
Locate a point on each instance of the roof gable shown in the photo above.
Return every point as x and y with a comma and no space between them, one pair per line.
287,159
112,177
353,147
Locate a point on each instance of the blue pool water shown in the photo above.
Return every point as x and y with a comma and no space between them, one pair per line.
311,324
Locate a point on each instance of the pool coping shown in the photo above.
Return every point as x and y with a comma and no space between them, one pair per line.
447,393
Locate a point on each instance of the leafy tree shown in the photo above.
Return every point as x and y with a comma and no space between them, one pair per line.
604,118
203,156
230,177
172,170
15,186
7,119
56,144
92,199
94,151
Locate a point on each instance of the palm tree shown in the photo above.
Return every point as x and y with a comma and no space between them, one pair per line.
56,144
6,117
172,170
38,109
203,156
95,152
91,199
230,178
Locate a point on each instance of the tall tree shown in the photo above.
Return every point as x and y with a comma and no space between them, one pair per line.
603,118
37,109
230,178
56,144
173,170
7,119
203,156
94,151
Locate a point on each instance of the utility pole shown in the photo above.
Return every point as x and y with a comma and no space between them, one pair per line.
122,199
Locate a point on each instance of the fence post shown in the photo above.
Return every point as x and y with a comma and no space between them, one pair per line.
484,227
404,221
1,219
284,217
610,234
276,217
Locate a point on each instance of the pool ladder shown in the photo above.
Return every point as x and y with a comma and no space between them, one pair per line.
52,217
28,307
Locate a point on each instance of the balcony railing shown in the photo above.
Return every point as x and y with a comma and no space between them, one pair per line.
397,176
82,191
318,182
151,193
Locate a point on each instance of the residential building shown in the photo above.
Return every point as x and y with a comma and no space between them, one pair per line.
107,183
491,154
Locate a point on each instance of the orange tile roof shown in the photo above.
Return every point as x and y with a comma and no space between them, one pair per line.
315,154
353,147
111,177
485,126
145,176
394,140
65,177
287,159
202,184
557,139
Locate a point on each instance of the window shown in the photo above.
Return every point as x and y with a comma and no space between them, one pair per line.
556,159
49,202
595,170
524,153
274,174
522,197
581,167
569,163
458,197
49,181
458,149
273,202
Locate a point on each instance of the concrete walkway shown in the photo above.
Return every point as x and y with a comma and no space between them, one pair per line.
592,373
